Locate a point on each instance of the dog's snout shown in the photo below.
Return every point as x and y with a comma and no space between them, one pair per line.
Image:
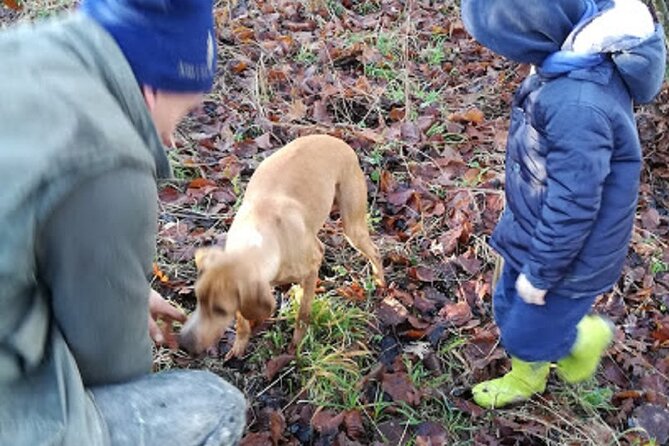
187,342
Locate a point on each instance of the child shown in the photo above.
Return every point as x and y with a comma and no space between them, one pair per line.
573,161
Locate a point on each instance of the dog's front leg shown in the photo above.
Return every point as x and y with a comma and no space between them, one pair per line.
241,339
302,323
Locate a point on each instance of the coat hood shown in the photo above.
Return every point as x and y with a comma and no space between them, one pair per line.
565,35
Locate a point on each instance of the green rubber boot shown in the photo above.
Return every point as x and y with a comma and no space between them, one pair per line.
594,336
524,380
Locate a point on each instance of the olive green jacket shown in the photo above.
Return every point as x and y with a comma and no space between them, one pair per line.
79,159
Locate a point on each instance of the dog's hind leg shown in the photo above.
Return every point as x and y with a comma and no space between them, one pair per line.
351,198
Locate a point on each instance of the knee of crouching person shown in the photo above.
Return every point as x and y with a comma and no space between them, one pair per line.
219,399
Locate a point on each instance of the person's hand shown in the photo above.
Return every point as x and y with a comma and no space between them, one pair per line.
528,292
160,309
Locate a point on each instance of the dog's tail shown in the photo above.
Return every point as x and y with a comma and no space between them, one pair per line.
351,198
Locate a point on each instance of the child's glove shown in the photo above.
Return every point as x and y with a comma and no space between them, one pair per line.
528,293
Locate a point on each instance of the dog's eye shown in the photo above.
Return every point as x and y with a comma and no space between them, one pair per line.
219,311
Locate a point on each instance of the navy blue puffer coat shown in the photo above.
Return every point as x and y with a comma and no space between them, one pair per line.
573,157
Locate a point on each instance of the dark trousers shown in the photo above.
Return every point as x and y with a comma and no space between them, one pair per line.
537,332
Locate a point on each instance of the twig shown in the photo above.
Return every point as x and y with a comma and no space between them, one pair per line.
273,383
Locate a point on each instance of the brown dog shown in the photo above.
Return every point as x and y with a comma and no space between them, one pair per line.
273,240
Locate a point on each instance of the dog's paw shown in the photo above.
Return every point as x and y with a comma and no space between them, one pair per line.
237,351
298,334
232,354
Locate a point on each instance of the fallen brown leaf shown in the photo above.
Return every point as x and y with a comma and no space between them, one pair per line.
326,421
297,110
417,323
449,240
654,420
414,334
264,141
169,194
625,394
400,198
199,183
650,219
458,314
473,115
410,132
353,424
376,374
244,34
387,182
393,432
400,388
321,114
257,439
277,424
469,407
661,332
396,114
391,312
343,440
353,292
470,265
423,274
12,4
423,304
430,433
239,66
275,365
308,25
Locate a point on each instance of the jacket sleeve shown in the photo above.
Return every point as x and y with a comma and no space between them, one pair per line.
95,253
579,148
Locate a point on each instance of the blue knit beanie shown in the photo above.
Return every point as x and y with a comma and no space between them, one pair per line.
169,43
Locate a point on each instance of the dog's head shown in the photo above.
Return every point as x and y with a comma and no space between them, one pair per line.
224,287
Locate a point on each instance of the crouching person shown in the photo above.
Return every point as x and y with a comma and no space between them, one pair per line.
86,101
573,162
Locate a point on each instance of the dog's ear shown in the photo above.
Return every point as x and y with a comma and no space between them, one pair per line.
256,302
205,257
